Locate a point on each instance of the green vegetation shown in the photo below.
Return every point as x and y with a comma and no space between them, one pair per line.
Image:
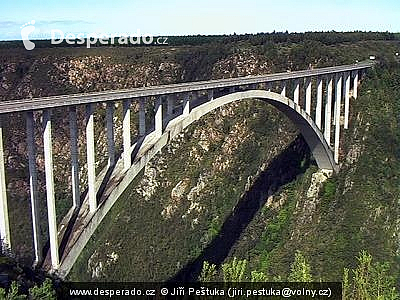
368,281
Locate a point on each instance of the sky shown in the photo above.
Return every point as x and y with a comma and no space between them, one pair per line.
178,17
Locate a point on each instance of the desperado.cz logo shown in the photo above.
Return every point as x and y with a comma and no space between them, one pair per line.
58,36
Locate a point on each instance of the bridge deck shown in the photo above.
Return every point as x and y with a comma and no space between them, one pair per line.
10,106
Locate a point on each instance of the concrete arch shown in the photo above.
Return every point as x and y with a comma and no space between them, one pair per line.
155,141
321,151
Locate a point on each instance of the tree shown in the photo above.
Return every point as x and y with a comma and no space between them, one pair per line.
300,269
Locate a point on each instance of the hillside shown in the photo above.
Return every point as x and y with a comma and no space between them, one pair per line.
178,206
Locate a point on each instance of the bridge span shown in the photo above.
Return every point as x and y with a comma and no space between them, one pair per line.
176,106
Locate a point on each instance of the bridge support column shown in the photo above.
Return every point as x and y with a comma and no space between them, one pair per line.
186,105
283,92
346,99
210,95
4,222
296,91
142,117
338,93
318,109
73,129
328,111
170,104
355,84
126,133
158,117
90,153
51,203
110,133
308,95
30,140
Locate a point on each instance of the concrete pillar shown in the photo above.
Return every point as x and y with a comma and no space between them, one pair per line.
158,117
355,85
283,92
51,202
35,209
186,104
73,128
296,91
90,152
210,95
328,113
346,99
4,223
126,133
308,95
338,92
170,104
110,133
318,109
142,117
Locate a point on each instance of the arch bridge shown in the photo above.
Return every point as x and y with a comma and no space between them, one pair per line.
175,107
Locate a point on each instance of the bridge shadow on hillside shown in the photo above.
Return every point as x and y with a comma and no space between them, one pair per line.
283,169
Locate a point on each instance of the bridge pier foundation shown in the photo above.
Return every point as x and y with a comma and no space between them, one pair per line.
51,203
346,99
33,184
318,109
74,157
328,111
4,222
90,153
338,92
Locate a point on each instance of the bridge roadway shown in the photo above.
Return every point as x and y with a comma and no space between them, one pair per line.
10,106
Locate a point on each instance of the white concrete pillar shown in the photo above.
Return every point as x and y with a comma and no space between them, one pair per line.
90,153
142,117
328,111
73,128
110,133
210,95
308,95
4,222
186,104
158,117
35,209
283,92
170,104
51,202
318,109
126,133
296,91
355,84
346,99
338,93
